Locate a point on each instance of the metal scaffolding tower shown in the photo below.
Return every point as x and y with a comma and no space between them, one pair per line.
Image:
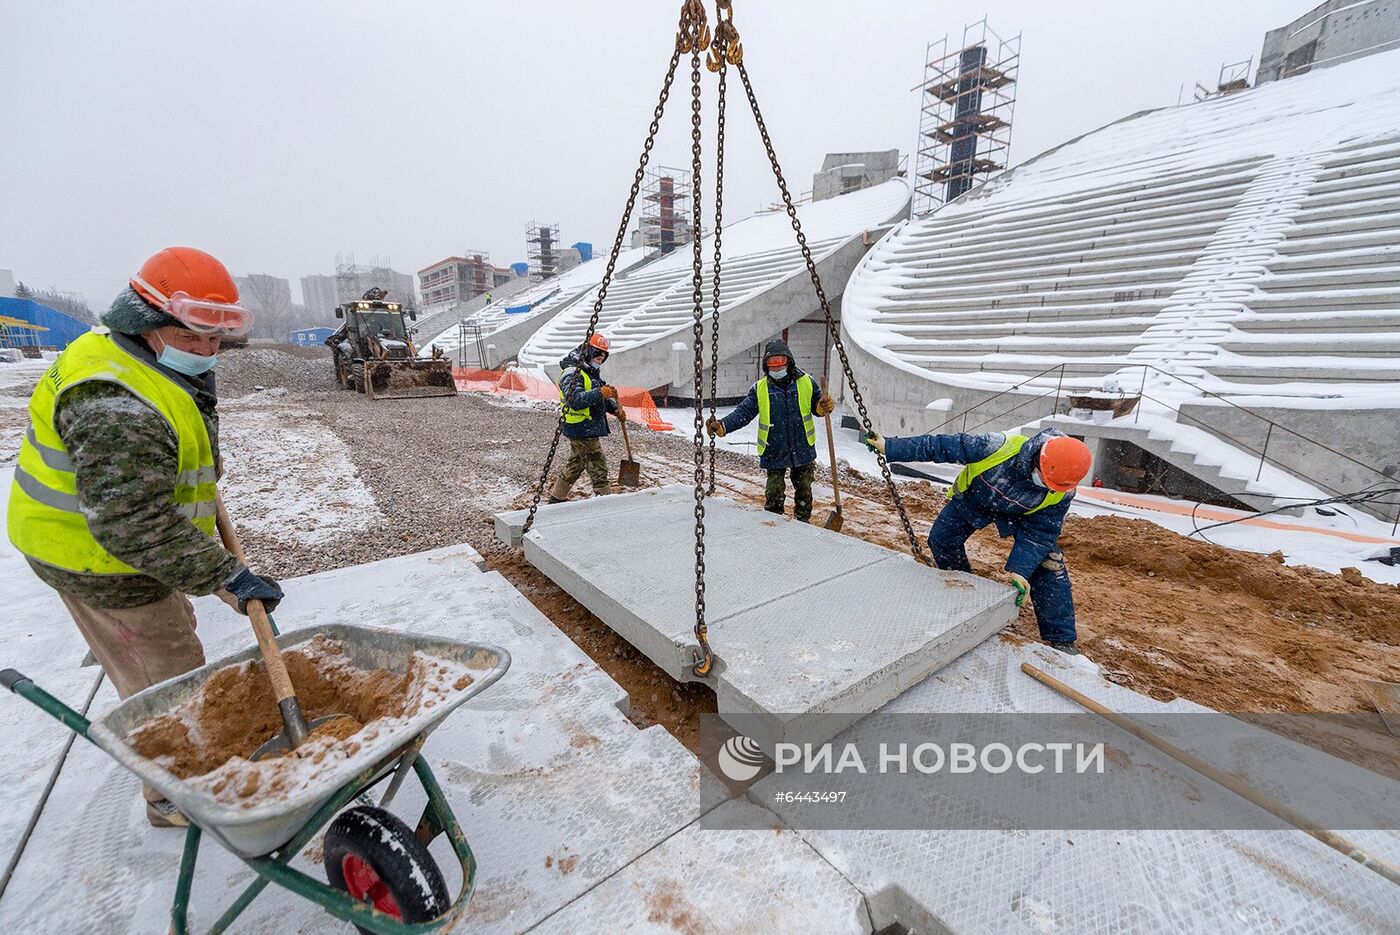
665,221
966,103
542,250
477,276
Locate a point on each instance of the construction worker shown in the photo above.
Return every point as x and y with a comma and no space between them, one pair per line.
784,399
1025,486
586,401
113,500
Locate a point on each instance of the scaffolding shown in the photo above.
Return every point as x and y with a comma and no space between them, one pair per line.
1234,77
665,220
966,103
542,250
477,275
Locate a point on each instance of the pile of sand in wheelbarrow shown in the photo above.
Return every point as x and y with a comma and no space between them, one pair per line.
209,739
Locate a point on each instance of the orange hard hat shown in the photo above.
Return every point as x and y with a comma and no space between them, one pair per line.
1064,462
598,342
184,269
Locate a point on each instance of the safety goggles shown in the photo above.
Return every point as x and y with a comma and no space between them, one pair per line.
206,317
776,362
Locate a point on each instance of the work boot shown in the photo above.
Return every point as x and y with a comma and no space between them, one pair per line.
1066,648
560,493
164,814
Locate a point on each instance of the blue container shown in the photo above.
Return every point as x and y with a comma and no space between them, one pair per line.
585,251
520,269
63,329
311,337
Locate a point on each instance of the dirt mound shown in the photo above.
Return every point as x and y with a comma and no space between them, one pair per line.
243,370
235,712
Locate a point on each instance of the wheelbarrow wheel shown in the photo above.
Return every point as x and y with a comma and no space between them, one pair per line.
376,858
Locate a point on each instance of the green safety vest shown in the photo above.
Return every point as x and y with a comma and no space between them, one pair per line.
45,520
574,416
1006,452
804,405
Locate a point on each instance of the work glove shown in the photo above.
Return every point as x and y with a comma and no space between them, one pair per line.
874,441
247,586
1022,586
715,427
609,391
825,405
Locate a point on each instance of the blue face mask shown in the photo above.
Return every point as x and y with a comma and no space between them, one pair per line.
191,365
778,374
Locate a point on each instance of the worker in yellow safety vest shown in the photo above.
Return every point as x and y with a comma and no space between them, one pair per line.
1025,486
113,498
785,401
585,400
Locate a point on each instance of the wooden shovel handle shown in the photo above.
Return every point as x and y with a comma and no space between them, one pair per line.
257,614
625,440
831,449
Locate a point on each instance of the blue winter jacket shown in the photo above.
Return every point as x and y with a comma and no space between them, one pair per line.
787,439
1000,495
571,383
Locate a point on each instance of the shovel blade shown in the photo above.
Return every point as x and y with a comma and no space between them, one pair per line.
1386,697
629,474
282,743
834,521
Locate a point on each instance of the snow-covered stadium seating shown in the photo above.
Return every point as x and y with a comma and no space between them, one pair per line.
1246,246
764,288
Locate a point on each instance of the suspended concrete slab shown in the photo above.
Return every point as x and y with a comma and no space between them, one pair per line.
810,629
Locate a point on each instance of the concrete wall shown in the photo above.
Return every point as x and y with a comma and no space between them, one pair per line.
1371,436
848,172
1341,29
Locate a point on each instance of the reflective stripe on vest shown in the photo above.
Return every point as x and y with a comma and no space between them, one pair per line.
1006,452
45,520
574,416
804,406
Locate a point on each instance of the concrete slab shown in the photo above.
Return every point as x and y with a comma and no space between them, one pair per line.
806,624
556,789
1094,881
706,880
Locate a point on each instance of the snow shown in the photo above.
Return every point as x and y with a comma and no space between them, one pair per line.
1190,238
759,252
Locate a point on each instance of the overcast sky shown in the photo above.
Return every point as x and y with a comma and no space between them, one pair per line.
276,134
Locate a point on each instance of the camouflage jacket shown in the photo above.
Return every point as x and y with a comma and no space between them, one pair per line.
126,458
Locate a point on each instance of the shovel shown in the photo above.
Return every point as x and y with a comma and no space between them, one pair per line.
833,520
1386,697
629,472
295,722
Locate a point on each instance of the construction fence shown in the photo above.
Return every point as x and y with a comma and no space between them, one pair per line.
514,381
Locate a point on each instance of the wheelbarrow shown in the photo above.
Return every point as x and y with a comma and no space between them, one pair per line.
381,876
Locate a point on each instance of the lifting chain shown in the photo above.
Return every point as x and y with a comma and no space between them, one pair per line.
612,257
726,39
831,328
699,40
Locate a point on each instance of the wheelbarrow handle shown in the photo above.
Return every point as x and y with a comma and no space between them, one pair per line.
24,686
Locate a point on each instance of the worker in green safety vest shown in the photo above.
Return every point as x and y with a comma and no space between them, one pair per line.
585,401
1023,485
784,400
113,498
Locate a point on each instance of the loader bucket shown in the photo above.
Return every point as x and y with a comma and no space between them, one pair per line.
401,379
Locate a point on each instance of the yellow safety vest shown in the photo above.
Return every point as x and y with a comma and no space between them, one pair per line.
45,520
1006,452
804,405
574,416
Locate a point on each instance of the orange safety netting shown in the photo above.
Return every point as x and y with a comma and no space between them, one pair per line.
637,402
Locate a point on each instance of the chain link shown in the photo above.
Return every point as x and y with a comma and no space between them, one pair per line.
719,239
616,250
705,662
831,328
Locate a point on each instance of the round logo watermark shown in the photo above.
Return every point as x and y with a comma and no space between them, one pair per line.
740,759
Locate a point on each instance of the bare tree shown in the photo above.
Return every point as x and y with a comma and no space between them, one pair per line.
270,300
71,304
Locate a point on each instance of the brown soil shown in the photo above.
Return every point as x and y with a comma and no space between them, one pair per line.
235,712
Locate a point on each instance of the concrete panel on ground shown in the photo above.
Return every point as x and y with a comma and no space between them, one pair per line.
706,880
805,624
1098,880
555,788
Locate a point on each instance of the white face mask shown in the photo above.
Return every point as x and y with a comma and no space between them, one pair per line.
1040,481
778,374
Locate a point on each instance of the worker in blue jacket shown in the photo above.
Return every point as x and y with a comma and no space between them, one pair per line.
586,400
1025,486
784,400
